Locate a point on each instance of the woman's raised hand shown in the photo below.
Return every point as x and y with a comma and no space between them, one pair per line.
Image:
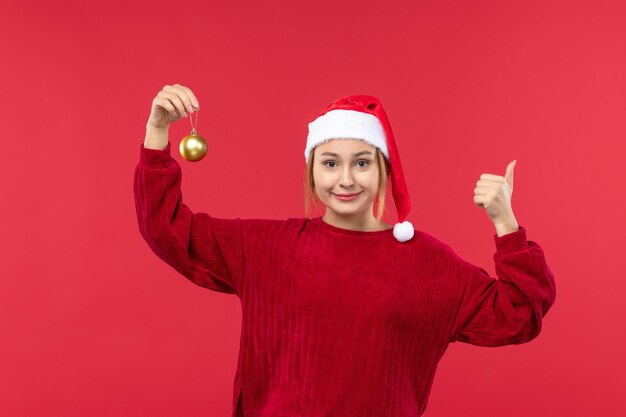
172,103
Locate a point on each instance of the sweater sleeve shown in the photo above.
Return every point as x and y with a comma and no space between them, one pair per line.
508,310
204,249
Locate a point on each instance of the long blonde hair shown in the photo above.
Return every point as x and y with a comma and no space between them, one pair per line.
309,185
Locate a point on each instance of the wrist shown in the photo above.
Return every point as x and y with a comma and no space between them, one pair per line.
506,227
156,137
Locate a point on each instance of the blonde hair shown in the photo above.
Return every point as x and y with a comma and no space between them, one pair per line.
309,185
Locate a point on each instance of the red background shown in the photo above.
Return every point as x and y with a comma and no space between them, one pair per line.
94,324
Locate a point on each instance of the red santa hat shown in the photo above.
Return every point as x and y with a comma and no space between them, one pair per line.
363,117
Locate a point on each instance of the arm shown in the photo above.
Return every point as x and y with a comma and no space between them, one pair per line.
204,249
508,310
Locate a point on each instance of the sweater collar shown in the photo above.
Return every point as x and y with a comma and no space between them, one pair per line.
329,227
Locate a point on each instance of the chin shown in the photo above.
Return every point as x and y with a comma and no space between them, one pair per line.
343,211
346,210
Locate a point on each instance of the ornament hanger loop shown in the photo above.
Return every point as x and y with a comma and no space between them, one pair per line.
193,129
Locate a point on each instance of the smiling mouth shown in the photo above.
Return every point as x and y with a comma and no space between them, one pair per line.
347,197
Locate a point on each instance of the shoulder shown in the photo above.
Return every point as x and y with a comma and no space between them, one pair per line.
429,242
277,224
440,252
272,228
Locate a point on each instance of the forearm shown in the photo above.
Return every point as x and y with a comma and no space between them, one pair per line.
506,227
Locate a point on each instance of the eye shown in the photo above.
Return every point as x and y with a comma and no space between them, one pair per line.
358,162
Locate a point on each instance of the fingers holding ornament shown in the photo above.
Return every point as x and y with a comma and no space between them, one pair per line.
178,101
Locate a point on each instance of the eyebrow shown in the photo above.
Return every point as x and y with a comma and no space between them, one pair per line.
355,154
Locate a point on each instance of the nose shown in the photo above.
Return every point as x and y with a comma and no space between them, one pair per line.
346,178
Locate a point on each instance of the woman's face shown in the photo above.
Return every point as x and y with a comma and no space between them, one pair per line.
346,166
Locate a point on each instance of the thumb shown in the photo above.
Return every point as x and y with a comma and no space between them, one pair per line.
509,172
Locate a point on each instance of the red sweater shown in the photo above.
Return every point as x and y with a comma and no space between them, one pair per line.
337,322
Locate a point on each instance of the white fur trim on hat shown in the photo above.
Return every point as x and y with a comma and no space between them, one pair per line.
346,124
403,231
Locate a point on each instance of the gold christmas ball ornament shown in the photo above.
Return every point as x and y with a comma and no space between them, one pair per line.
193,147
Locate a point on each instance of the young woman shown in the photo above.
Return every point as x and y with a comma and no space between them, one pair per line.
342,315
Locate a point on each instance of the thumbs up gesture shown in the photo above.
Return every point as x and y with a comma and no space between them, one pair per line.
493,193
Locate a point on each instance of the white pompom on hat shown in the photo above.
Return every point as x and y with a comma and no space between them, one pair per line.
363,117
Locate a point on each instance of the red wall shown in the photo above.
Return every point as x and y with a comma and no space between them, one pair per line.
92,323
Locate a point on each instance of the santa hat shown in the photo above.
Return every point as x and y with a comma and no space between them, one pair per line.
363,117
